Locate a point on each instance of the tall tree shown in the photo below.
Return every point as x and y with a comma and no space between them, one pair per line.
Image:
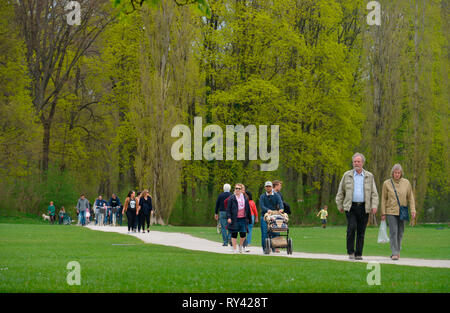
54,48
167,71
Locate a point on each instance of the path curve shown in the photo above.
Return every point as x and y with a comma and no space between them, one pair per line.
189,242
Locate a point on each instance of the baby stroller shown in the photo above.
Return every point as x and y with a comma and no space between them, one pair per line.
277,223
66,219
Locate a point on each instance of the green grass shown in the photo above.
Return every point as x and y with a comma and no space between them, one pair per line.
15,217
428,242
34,259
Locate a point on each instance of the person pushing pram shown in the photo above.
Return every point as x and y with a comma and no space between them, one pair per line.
269,200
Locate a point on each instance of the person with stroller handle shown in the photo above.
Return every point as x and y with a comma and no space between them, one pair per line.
100,210
238,216
269,201
114,204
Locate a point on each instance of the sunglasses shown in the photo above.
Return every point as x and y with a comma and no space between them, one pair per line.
237,188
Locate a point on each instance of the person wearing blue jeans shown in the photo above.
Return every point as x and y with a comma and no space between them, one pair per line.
269,200
250,230
107,216
119,215
226,235
114,204
82,205
221,214
254,219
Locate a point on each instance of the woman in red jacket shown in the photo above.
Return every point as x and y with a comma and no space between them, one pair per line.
254,212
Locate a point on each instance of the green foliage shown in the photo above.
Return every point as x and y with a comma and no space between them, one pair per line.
333,84
129,6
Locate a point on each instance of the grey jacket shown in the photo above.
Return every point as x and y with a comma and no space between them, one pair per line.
83,204
344,195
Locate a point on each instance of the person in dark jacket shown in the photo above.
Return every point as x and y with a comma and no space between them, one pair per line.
269,200
277,184
221,213
114,204
100,217
145,209
238,216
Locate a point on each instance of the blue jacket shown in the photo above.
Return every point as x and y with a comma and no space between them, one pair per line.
111,202
272,202
99,203
220,205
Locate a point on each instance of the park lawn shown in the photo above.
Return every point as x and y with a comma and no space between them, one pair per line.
34,259
427,242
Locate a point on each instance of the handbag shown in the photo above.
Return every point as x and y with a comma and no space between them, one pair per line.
403,213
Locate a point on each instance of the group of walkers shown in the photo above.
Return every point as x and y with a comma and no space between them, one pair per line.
137,207
357,196
237,213
102,212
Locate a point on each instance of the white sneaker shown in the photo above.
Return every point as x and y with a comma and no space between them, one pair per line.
235,251
240,249
247,249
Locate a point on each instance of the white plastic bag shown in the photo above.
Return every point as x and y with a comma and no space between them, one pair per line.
382,233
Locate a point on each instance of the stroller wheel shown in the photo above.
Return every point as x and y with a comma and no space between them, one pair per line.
289,246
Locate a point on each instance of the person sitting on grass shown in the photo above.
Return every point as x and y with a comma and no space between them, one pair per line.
323,216
61,214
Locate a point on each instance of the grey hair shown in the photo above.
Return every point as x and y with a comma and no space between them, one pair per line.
360,155
397,167
227,187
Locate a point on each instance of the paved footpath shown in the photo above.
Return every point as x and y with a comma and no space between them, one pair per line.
194,243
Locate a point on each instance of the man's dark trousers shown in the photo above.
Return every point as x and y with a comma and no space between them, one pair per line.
356,222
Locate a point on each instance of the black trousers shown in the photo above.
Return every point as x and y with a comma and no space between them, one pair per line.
131,217
142,218
356,223
145,218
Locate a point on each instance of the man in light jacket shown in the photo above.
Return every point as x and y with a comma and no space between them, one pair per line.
357,196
